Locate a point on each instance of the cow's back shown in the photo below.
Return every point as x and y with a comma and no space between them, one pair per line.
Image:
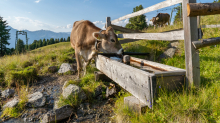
81,34
163,17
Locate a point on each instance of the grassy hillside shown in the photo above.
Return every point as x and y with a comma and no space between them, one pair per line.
23,68
196,105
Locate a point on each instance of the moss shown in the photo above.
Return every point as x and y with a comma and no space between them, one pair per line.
74,101
17,110
21,76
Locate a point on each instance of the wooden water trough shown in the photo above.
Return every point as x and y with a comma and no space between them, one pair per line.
142,78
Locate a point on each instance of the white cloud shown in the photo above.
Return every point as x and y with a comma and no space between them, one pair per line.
122,23
29,12
68,26
37,1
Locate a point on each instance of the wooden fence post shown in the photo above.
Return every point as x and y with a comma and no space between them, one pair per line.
191,54
108,22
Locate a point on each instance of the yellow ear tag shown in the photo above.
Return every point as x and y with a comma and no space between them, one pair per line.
98,37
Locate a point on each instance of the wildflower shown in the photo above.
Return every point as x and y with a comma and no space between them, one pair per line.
159,86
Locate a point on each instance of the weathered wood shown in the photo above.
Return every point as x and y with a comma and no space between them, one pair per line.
128,40
206,42
168,36
195,9
191,55
161,5
108,22
211,26
136,82
135,104
141,84
126,59
159,66
125,30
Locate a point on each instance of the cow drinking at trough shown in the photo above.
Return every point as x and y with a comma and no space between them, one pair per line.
161,19
88,40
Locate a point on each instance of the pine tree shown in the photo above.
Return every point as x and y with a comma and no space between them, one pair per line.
52,41
138,22
44,42
68,39
4,36
48,42
61,40
40,43
179,14
56,40
64,40
20,47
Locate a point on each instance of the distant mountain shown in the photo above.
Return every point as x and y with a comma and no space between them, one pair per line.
35,35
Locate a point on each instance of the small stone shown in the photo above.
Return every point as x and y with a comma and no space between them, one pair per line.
58,114
8,93
11,103
65,67
36,99
74,90
98,91
52,69
110,91
64,85
56,105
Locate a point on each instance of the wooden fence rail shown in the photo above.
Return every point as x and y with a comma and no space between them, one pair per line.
169,36
161,5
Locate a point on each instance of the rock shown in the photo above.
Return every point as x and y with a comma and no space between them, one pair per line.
52,69
36,99
168,53
64,85
74,90
174,44
58,114
56,105
65,67
11,103
110,91
8,93
98,91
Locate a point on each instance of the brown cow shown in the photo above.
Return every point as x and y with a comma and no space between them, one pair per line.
88,40
161,19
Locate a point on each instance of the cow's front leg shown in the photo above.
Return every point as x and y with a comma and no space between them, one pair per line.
86,62
79,65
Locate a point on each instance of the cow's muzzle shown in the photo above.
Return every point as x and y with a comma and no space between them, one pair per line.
120,51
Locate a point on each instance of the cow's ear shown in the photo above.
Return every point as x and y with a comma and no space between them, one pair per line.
98,35
157,18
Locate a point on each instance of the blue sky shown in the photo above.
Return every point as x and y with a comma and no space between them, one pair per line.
59,15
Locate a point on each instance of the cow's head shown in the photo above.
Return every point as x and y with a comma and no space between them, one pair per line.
108,41
153,19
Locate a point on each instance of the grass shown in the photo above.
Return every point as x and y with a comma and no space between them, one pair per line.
195,105
88,85
14,66
19,108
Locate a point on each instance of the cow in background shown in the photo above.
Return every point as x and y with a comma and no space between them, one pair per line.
88,40
161,19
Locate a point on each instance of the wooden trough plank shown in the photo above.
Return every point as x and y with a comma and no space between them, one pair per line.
136,82
197,9
168,36
125,30
211,26
159,66
160,5
206,42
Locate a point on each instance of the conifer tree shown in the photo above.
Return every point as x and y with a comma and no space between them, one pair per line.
4,36
138,22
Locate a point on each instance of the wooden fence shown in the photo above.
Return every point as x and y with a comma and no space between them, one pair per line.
190,34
